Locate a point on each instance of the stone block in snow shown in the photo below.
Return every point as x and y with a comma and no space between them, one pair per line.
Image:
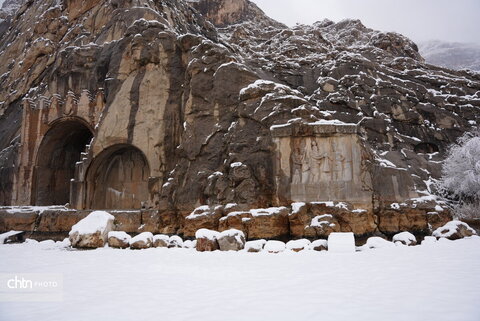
298,245
405,238
120,240
92,231
341,242
255,246
231,240
141,241
274,246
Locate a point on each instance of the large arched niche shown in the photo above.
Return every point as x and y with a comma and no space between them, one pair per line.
57,155
118,179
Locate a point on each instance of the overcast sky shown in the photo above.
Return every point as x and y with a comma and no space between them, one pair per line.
420,20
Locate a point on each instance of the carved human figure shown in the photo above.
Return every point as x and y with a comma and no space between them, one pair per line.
318,162
297,161
338,163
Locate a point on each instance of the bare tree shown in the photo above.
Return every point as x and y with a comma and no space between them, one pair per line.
460,180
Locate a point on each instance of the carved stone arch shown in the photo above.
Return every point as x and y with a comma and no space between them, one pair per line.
118,179
56,156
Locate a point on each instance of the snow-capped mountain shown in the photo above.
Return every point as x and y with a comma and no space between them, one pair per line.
454,55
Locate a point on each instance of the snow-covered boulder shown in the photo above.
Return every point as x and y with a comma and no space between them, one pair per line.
255,246
298,245
376,242
231,240
12,237
189,244
161,240
141,241
319,245
175,241
274,246
120,240
405,238
207,240
92,231
341,242
454,230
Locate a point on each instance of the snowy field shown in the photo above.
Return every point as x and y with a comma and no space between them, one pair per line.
439,281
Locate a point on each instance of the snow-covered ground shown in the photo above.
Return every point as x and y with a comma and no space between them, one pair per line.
438,281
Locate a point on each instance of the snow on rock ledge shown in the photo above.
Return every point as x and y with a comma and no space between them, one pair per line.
454,230
92,231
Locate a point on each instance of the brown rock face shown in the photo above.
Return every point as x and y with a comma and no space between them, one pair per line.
223,13
146,106
202,217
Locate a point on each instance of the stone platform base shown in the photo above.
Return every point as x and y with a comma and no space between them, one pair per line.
300,220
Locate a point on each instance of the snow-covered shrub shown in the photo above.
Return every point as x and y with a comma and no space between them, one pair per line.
461,176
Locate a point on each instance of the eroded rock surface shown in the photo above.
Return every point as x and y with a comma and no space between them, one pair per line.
210,103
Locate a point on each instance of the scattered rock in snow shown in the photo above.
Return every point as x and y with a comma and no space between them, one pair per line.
319,245
376,242
255,246
175,241
429,240
207,240
120,240
274,246
12,237
405,238
298,245
161,240
141,241
454,230
341,242
231,240
92,231
189,244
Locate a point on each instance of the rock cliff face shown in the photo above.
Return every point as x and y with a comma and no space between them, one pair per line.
171,105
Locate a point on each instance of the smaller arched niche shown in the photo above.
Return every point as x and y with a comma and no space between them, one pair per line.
57,155
118,179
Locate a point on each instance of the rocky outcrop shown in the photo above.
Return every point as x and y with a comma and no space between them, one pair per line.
179,114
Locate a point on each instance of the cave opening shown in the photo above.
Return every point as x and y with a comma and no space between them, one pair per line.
58,153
